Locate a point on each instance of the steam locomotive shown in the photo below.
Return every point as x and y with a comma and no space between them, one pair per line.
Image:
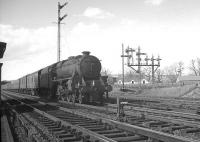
76,79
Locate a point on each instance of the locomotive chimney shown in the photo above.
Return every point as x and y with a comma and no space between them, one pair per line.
86,53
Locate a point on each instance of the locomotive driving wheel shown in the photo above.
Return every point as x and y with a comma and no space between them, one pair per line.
62,97
59,93
69,98
73,98
80,99
32,93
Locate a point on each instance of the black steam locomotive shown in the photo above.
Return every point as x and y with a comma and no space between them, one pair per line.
76,79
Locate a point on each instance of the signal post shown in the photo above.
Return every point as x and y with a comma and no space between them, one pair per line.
132,64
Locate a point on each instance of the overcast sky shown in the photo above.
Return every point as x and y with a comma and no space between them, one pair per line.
170,28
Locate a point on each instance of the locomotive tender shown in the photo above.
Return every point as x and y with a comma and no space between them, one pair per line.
76,79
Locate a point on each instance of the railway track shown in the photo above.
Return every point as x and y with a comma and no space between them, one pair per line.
188,118
68,126
126,130
163,103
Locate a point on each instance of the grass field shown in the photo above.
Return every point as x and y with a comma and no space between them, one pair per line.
177,91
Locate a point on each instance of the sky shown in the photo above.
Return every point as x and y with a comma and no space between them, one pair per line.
168,28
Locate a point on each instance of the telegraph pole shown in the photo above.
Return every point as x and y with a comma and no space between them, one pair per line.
122,67
59,22
153,71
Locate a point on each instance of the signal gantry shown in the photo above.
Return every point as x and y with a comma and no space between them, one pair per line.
131,61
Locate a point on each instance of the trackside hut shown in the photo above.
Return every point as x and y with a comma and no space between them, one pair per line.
188,80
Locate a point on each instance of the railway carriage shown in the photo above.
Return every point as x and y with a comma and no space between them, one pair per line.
14,85
32,83
23,84
6,86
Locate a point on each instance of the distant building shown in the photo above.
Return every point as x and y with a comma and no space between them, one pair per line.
188,80
131,80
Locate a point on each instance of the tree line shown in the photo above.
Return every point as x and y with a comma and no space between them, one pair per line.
167,74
